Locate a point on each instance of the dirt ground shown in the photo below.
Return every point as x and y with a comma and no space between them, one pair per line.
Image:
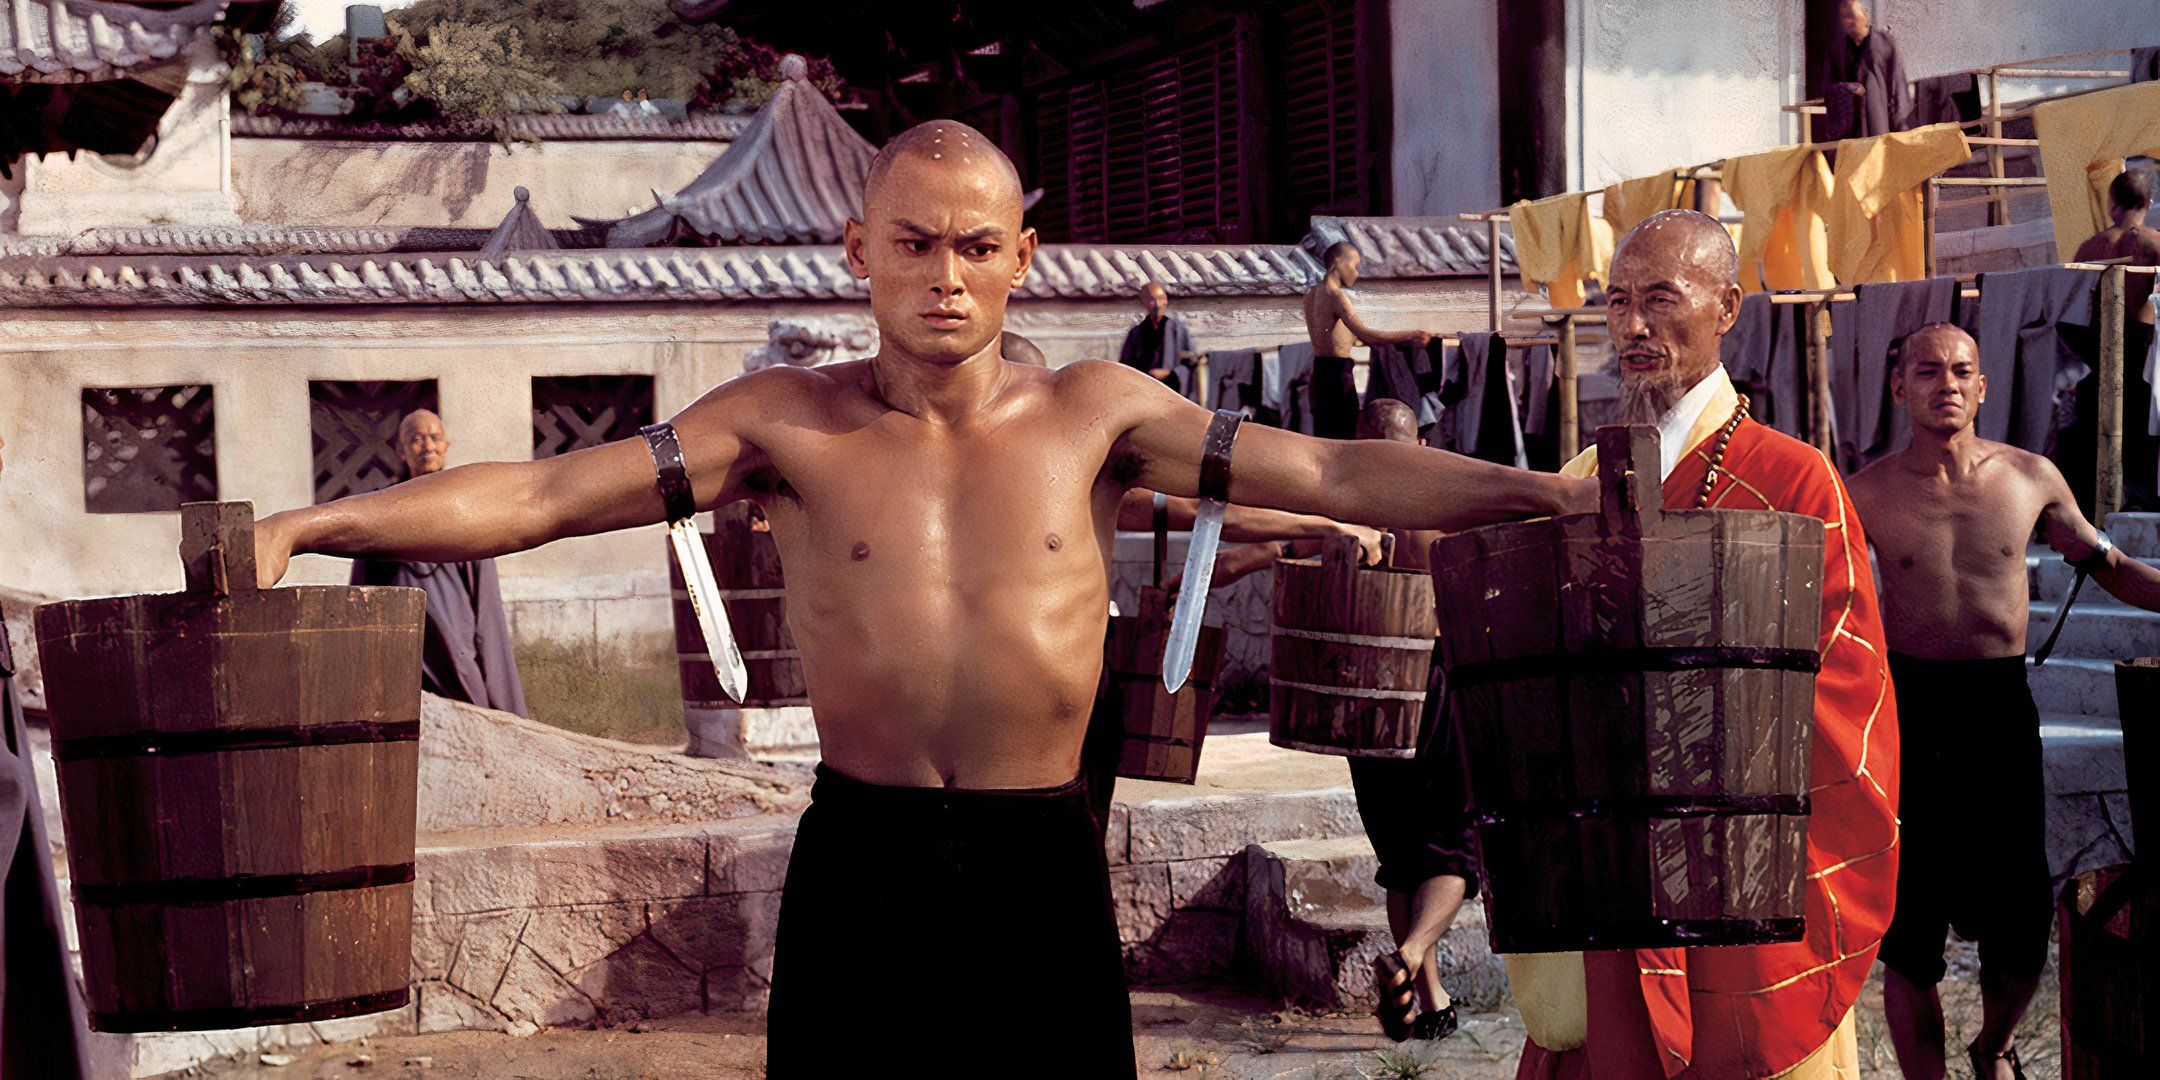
1184,1031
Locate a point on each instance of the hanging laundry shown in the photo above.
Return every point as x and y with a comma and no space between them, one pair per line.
1765,354
1481,419
1877,228
1230,379
2083,141
1628,202
2020,322
1294,366
1784,193
1556,246
1945,99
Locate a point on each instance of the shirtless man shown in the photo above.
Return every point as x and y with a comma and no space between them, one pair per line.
944,518
1949,519
2130,198
1334,328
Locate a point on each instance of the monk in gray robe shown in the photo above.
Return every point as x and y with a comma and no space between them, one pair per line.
1864,88
42,1031
466,654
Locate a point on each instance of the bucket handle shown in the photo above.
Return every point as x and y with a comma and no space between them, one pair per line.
1628,495
217,547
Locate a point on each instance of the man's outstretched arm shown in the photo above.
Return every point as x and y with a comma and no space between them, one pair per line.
1372,335
1372,481
494,508
1244,524
2075,538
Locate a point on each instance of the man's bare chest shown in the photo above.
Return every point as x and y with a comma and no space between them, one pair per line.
1962,532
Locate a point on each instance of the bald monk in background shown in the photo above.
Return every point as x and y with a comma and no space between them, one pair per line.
465,654
1332,324
944,518
2130,198
1950,518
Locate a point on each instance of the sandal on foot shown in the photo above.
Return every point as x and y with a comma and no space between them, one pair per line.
1437,1024
1983,1064
1397,1006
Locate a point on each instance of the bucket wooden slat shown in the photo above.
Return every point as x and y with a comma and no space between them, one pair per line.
1163,731
1635,691
1352,655
2110,935
746,564
239,775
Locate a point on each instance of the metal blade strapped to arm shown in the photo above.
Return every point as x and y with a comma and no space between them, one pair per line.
2098,560
1222,435
697,572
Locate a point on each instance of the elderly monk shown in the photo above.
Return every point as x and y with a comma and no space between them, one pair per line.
1761,1010
42,1032
1949,519
1160,341
465,652
944,518
1864,88
1334,328
1414,812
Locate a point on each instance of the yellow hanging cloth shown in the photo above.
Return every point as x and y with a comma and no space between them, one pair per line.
1877,227
2082,143
1555,245
1630,201
1784,193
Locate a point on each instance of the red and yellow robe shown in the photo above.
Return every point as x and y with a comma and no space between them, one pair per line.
1767,1010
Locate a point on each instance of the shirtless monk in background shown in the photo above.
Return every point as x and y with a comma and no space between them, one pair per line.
944,519
2130,198
1950,518
1334,328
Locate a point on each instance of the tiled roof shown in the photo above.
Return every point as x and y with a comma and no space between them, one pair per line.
520,231
794,176
1411,247
66,41
666,274
546,128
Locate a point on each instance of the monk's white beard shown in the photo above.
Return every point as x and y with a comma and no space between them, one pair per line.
1646,398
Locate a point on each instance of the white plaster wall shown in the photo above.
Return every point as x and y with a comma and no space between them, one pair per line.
1657,84
593,589
1447,108
1938,37
460,184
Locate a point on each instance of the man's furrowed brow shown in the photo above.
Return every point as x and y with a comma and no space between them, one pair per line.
923,232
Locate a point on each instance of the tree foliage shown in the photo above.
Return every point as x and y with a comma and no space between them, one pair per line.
475,71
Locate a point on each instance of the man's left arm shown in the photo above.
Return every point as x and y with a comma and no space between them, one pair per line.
1374,482
2068,532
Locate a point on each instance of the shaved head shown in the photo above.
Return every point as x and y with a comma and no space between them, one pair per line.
1693,238
1942,341
947,145
1387,418
422,443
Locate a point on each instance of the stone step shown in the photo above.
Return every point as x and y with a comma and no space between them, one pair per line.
2136,534
2073,686
2088,810
2050,579
2100,631
1315,921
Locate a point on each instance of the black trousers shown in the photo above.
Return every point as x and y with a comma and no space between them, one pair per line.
947,930
1334,398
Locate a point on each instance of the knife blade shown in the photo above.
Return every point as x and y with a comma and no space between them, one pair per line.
1200,550
704,590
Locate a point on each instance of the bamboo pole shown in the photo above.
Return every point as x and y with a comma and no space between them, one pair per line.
2108,461
1492,251
1200,374
1998,211
1570,410
1927,227
1818,361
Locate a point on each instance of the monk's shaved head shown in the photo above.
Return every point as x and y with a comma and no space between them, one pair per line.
948,145
1941,341
1387,418
1684,238
423,444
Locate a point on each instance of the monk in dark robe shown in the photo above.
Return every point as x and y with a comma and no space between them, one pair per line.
42,1031
466,655
1863,80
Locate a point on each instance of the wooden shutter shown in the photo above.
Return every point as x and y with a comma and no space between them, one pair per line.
1148,151
1316,93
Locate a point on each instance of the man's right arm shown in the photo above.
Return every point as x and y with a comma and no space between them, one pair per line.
1369,334
494,508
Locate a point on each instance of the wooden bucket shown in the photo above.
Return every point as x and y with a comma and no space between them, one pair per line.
1635,690
238,774
2110,974
1353,653
746,565
1163,731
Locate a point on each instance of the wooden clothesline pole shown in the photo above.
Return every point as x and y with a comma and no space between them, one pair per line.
2108,384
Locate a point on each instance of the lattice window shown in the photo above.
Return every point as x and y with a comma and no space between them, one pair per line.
1147,152
356,426
572,412
1316,89
149,448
